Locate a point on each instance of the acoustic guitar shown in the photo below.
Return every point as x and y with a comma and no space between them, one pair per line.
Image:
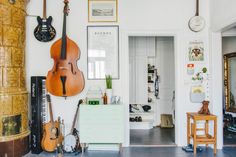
52,135
44,32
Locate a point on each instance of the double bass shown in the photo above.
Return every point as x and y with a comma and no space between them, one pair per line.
65,79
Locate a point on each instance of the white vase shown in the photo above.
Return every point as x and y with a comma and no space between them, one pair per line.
109,95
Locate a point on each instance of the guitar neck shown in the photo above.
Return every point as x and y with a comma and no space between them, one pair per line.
44,9
51,115
64,43
74,121
197,8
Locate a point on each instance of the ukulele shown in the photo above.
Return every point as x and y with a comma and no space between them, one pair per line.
52,135
71,142
44,32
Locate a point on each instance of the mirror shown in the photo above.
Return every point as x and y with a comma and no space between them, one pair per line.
103,52
230,81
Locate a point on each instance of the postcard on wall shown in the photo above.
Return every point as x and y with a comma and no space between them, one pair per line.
196,51
190,69
102,10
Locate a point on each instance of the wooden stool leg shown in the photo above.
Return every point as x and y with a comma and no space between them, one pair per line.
188,129
215,134
215,148
194,137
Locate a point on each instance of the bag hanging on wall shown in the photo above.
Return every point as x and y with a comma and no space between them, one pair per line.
197,94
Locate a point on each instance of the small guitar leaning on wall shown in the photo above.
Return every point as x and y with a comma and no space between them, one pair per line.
71,142
52,135
44,32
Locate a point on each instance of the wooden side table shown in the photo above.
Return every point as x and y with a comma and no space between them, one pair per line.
192,130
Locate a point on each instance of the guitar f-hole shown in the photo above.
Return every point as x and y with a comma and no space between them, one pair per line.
72,69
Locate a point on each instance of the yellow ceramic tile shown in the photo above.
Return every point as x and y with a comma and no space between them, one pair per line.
24,121
17,57
5,11
19,104
5,105
11,36
11,77
1,35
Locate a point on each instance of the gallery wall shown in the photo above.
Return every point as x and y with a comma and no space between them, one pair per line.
154,16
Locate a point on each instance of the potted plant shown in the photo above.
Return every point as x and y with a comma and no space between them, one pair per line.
109,88
109,81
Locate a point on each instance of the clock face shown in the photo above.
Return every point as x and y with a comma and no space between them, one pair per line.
196,23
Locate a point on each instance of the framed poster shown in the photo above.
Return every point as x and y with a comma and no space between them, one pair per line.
103,52
196,51
102,10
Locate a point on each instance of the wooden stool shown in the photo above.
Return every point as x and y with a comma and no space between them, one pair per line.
192,130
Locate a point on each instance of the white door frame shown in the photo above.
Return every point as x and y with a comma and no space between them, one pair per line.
217,76
124,56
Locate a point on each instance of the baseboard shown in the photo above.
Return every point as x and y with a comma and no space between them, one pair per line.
109,147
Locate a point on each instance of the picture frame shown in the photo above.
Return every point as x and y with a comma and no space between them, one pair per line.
102,10
102,52
196,51
229,82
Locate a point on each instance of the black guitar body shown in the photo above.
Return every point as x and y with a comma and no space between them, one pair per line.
44,32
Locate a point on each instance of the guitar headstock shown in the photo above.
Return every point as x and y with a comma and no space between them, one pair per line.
80,102
48,98
66,7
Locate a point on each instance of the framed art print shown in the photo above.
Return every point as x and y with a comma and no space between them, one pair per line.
103,52
196,51
102,10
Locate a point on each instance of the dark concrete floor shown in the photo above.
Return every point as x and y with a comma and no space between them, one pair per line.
229,138
149,152
155,136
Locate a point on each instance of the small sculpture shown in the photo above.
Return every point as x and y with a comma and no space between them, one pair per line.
204,109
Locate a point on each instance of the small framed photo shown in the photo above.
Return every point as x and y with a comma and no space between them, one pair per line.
102,10
196,51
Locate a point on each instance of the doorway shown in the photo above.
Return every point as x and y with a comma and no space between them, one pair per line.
229,73
151,90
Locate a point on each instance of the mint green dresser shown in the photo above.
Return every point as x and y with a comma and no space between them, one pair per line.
101,124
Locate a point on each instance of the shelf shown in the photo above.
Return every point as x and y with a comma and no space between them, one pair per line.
143,113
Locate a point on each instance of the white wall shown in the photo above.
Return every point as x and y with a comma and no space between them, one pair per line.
165,61
223,14
157,17
228,45
223,18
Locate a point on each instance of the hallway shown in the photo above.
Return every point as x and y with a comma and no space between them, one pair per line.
155,136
